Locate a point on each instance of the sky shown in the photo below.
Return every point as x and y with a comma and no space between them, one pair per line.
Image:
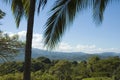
81,36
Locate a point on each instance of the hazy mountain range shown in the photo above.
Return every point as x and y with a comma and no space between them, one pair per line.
72,56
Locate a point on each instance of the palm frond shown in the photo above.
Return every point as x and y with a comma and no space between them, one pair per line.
42,4
2,14
18,10
98,10
26,5
62,14
7,1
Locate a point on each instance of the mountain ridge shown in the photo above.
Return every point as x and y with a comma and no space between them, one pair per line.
72,56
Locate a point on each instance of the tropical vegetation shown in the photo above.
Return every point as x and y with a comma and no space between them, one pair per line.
62,13
43,68
9,46
26,8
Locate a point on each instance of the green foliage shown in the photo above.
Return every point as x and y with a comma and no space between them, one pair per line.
9,45
98,78
45,69
16,76
44,60
80,70
116,74
41,63
61,70
48,77
107,65
11,67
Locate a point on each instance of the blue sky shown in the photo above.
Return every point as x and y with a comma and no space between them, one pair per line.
83,35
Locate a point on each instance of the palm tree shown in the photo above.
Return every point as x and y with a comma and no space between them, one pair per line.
26,8
64,12
29,41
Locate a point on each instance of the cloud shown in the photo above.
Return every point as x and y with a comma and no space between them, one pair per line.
94,49
36,42
64,46
22,35
86,48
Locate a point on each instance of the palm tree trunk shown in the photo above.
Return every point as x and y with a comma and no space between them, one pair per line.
28,47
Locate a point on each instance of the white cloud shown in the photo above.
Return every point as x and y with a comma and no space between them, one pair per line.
94,49
37,41
22,35
63,46
85,48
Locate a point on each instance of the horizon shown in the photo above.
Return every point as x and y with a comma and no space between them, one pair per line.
74,52
83,35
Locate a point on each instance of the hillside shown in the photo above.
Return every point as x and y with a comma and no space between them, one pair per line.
72,56
43,68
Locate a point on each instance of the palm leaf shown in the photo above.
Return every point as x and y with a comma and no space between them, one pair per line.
26,5
18,10
41,4
62,14
2,14
7,1
98,10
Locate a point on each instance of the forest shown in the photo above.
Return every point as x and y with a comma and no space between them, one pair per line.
94,68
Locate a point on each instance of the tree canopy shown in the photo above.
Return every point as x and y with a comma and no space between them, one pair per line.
9,45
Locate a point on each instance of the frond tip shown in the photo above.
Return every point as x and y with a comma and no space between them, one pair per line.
2,14
42,4
98,10
18,10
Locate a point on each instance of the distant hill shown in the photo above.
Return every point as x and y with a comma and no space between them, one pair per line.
72,56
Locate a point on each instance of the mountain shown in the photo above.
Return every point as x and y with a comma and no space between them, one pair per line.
72,56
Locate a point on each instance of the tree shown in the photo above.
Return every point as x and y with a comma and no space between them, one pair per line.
64,12
91,61
9,46
61,70
26,8
80,71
